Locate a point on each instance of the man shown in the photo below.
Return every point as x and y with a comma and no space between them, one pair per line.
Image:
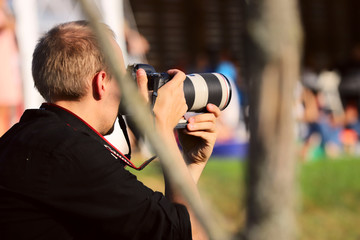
60,179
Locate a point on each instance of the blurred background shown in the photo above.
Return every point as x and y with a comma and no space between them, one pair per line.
211,36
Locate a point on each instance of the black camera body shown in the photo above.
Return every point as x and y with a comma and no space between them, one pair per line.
199,88
155,79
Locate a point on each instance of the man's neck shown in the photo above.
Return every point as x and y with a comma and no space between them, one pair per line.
84,109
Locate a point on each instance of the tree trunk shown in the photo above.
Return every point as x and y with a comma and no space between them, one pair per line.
275,36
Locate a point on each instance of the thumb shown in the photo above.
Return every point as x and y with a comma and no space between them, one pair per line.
142,81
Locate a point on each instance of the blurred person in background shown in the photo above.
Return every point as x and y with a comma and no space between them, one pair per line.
323,119
233,136
10,80
137,45
349,89
349,136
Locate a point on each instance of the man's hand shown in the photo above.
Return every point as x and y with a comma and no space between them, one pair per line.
199,137
170,105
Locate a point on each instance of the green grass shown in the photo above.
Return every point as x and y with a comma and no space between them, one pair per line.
331,183
330,202
222,183
329,199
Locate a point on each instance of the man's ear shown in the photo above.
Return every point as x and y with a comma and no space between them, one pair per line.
99,85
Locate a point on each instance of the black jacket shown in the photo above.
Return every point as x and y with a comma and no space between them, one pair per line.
58,181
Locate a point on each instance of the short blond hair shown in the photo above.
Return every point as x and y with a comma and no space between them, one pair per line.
65,58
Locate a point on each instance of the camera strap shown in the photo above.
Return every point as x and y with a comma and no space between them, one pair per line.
154,93
123,127
126,135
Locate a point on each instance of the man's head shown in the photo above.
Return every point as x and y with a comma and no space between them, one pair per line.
69,69
64,59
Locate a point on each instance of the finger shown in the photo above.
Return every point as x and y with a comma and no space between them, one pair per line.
142,81
178,77
208,126
204,117
213,109
209,137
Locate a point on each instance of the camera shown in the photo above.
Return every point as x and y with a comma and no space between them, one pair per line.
199,88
